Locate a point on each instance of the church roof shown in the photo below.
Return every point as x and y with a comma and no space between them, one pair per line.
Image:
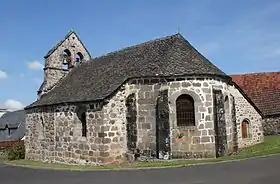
98,78
263,89
61,41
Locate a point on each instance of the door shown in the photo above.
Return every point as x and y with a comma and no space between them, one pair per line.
219,123
162,126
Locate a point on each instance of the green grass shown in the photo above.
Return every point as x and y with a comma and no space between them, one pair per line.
270,146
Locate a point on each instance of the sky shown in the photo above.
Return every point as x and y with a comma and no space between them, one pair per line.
237,36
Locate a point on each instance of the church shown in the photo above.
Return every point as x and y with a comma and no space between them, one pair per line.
161,99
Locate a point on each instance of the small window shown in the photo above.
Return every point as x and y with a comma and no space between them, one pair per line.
79,57
67,52
185,111
67,59
42,121
84,124
245,128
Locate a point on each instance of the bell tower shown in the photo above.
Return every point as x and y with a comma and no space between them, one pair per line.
65,55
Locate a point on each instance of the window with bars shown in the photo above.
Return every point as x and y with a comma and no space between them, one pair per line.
185,111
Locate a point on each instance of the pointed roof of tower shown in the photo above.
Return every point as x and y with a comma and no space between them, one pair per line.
61,41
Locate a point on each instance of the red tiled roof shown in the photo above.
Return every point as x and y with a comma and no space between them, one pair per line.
263,89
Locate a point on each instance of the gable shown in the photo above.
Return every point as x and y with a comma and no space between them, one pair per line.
98,78
68,36
263,89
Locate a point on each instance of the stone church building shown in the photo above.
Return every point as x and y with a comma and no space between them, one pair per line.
160,99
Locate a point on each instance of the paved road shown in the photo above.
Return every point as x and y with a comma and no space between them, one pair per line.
256,171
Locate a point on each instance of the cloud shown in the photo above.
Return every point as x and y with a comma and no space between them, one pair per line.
13,104
35,65
21,75
3,75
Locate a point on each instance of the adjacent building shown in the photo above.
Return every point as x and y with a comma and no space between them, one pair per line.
264,90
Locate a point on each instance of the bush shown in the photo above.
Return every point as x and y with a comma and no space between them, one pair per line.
16,152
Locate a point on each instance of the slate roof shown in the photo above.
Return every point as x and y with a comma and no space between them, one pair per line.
42,86
263,89
60,42
15,119
98,78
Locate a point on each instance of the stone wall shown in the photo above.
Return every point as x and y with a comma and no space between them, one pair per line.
54,134
124,126
186,142
54,70
244,110
271,126
193,141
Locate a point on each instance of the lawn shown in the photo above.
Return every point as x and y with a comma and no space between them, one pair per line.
270,146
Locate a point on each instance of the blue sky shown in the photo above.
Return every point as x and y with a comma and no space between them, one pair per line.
238,36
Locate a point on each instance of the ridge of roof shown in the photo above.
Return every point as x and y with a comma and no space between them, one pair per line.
255,73
61,41
133,46
171,55
245,95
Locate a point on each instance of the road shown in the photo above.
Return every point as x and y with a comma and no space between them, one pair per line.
255,171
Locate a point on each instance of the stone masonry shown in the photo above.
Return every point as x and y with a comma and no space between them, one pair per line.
187,142
244,110
271,125
54,70
54,134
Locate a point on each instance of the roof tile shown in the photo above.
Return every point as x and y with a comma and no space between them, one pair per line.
99,77
263,89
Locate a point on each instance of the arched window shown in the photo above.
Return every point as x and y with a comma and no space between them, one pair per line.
245,128
185,111
67,52
79,57
67,59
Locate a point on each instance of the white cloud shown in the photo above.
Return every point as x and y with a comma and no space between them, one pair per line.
3,75
35,65
13,104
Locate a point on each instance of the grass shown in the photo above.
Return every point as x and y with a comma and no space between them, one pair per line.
270,146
